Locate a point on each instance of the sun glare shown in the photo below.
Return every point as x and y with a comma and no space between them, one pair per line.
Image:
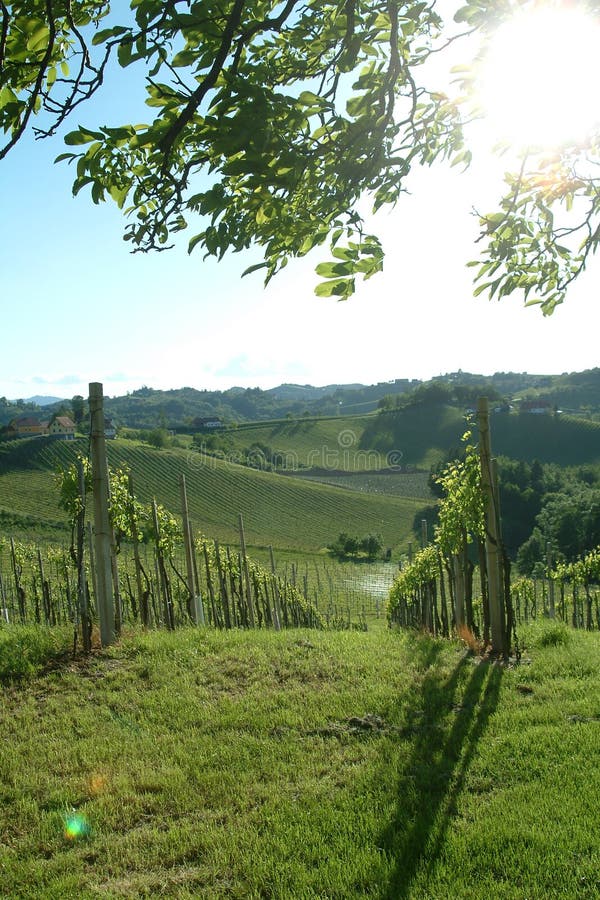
540,77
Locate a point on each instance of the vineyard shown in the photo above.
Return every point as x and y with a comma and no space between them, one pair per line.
435,591
276,509
417,436
570,594
447,588
38,585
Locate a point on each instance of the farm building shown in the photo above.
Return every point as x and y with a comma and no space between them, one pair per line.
208,422
26,426
62,427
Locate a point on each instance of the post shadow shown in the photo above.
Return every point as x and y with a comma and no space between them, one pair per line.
430,783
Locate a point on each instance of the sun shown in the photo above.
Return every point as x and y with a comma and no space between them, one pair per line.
540,77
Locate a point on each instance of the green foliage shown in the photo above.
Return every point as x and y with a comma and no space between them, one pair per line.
293,114
157,437
410,580
585,570
270,124
569,520
461,513
346,546
68,483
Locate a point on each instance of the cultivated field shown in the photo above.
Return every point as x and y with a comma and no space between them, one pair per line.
278,510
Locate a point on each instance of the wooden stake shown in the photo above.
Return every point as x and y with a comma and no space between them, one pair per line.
141,594
276,602
194,610
82,604
492,534
102,529
90,537
249,598
162,569
551,609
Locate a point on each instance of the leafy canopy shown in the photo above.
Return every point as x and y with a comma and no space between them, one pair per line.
270,121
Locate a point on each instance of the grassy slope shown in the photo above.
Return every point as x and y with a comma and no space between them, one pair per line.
277,509
333,443
245,765
422,434
419,436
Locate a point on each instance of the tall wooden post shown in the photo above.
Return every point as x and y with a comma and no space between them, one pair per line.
82,599
551,605
102,529
492,534
195,602
459,590
249,598
133,527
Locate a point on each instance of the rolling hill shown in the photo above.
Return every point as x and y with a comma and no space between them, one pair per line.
415,437
283,511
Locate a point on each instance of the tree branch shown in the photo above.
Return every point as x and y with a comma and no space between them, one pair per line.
37,88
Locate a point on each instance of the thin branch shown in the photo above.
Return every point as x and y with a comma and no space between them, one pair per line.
37,88
207,84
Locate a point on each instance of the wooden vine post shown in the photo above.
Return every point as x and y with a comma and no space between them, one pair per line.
195,608
102,529
499,639
551,602
133,527
246,572
82,598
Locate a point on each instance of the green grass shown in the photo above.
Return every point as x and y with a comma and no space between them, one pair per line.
278,510
304,765
329,442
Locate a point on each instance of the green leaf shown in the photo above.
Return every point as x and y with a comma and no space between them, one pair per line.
82,136
119,194
255,268
342,287
101,36
334,270
125,53
197,239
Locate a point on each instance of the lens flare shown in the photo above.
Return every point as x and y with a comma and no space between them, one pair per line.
76,826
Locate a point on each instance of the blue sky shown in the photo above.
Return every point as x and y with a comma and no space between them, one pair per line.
78,307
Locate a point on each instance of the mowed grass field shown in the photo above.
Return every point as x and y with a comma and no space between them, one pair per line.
204,764
283,511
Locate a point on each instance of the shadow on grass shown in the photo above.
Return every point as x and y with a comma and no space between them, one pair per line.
445,723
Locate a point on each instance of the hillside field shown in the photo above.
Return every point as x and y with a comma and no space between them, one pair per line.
279,510
417,437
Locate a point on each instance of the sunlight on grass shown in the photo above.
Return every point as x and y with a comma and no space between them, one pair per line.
306,764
